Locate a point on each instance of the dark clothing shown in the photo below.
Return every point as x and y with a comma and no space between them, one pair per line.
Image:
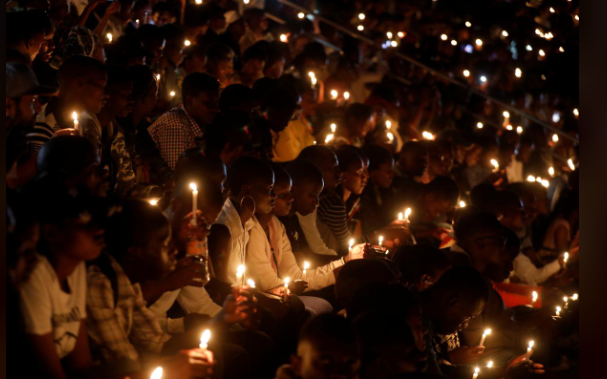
376,209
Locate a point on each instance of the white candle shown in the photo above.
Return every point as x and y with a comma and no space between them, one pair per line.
407,213
204,339
240,274
286,294
565,259
381,240
534,297
194,188
529,350
484,336
350,248
476,371
75,117
157,373
495,164
305,269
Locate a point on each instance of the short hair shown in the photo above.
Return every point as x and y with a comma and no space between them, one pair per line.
358,111
117,75
417,260
280,174
443,187
327,326
316,154
347,157
235,95
196,83
219,52
143,78
79,41
482,195
377,155
197,160
474,224
302,171
465,281
66,155
78,66
247,170
359,273
256,51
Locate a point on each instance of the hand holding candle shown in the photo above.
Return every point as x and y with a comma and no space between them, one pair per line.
476,372
194,188
75,117
529,349
240,274
286,289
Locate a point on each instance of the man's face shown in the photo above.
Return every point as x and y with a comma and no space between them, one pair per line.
457,315
489,246
80,240
23,112
284,199
47,48
160,257
262,191
221,70
354,178
120,101
33,45
92,92
306,197
253,69
331,173
384,175
331,360
204,107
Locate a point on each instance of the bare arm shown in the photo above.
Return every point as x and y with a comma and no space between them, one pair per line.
113,8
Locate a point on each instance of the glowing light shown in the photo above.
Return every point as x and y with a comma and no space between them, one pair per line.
534,296
504,33
539,32
479,125
389,35
574,297
552,10
240,270
329,138
443,37
381,240
200,2
468,24
576,112
577,17
400,216
495,164
469,49
393,43
407,213
427,135
570,164
467,73
251,283
172,94
506,114
551,171
518,72
351,243
333,128
157,77
390,136
453,42
401,34
157,373
301,15
204,339
246,2
489,364
462,203
109,37
75,118
153,201
519,129
562,49
187,42
361,16
346,95
476,371
509,127
531,178
306,265
555,138
483,79
543,77
283,38
479,42
528,48
542,53
360,28
388,124
545,183
334,94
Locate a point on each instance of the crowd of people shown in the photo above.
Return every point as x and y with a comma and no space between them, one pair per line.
244,189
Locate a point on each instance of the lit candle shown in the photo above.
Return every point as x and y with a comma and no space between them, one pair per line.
75,117
157,373
286,294
558,311
529,349
570,164
360,28
462,204
157,77
490,364
479,125
401,35
555,138
301,15
244,1
388,124
427,135
531,178
389,35
194,203
187,42
350,245
200,2
518,72
283,38
137,22
305,269
390,137
400,216
361,16
566,300
204,339
483,79
153,201
495,164
504,33
251,283
509,127
545,183
334,94
333,128
484,336
329,138
240,274
453,42
479,42
393,43
575,296
407,213
565,259
476,371
346,95
381,240
109,37
519,130
534,297
468,24
172,94
467,74
444,37
542,53
576,112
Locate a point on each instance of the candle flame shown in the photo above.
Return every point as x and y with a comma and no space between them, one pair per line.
389,35
204,339
476,370
565,299
531,178
400,216
570,164
505,33
333,128
534,296
453,42
558,309
483,79
468,24
427,135
390,136
361,16
346,95
198,2
193,187
187,42
393,43
240,270
329,138
306,265
531,344
283,38
566,257
576,112
157,373
301,15
479,125
487,331
381,240
351,242
109,37
401,34
462,203
489,364
495,164
519,129
334,94
574,297
172,93
444,37
360,28
407,213
286,281
153,201
157,77
518,72
555,138
509,127
506,114
467,74
251,283
479,42
388,124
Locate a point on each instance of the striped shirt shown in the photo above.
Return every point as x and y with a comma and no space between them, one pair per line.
332,212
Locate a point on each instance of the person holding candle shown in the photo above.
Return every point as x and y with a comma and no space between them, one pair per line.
412,165
421,265
182,127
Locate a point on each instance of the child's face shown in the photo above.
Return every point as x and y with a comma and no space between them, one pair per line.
331,359
306,197
384,176
263,194
284,199
354,178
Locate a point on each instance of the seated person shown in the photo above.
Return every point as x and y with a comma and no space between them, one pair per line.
220,63
326,349
412,165
421,265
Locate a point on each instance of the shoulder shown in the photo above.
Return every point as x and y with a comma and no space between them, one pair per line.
42,275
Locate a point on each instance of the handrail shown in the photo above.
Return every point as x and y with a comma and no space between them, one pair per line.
474,90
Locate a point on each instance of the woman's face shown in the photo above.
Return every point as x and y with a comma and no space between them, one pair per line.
284,199
354,178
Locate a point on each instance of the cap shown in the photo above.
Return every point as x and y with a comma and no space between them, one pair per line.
21,80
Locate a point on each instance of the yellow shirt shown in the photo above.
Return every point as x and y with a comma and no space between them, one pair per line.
291,141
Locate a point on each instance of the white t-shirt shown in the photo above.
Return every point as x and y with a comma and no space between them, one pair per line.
48,309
